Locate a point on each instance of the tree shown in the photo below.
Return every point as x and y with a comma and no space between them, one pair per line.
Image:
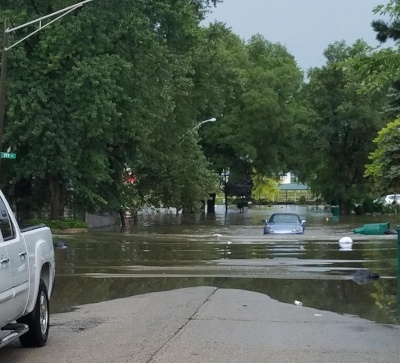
264,187
263,111
219,63
379,67
88,98
392,104
339,133
387,29
384,168
257,125
179,177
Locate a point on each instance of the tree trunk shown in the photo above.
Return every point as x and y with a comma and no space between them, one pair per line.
62,200
22,195
122,216
55,189
211,203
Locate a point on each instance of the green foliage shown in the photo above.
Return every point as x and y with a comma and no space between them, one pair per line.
263,112
56,224
264,188
387,29
367,205
379,67
220,65
120,85
339,132
88,96
257,127
392,105
384,168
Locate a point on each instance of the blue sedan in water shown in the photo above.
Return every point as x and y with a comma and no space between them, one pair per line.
284,223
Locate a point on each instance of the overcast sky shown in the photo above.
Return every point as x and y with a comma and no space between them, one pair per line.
305,27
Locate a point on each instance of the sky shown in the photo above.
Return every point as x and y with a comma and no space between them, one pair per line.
305,27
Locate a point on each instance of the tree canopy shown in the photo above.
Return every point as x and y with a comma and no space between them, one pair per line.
385,160
88,98
103,108
340,129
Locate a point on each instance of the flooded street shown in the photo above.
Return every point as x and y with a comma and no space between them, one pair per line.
165,252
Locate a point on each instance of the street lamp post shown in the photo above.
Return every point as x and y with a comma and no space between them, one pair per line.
182,138
3,76
225,175
213,119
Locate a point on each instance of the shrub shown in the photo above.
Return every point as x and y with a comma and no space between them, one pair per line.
359,210
302,200
63,223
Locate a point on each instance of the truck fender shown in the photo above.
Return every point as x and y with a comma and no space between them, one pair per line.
43,268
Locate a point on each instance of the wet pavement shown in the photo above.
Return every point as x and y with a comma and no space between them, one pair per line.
163,252
209,324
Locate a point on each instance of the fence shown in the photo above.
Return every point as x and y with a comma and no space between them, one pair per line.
96,221
293,196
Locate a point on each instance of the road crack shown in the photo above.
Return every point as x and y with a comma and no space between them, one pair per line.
182,327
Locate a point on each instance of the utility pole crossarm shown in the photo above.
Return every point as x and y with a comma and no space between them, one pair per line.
63,12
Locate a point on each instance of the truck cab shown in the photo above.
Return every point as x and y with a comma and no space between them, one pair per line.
26,279
14,266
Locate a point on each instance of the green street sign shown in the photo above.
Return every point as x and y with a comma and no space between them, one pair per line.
8,155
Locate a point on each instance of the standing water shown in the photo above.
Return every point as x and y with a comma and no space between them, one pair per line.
164,252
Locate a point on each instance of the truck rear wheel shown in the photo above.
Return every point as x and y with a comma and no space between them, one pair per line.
38,320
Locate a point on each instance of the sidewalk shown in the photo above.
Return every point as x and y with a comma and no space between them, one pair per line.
209,325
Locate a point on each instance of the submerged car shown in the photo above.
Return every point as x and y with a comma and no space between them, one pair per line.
284,223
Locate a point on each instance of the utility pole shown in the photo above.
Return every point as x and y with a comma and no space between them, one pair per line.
3,78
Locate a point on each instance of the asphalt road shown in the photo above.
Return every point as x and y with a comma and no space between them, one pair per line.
206,324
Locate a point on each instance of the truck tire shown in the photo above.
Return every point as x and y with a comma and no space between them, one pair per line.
38,320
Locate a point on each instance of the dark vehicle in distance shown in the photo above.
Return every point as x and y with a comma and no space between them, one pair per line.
284,223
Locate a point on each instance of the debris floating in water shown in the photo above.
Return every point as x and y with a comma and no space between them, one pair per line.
60,245
346,244
346,240
363,276
217,235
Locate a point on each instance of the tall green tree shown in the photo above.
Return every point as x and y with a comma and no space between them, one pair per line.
379,67
264,187
219,65
257,126
340,130
88,96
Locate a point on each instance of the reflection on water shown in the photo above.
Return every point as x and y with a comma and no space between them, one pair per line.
164,252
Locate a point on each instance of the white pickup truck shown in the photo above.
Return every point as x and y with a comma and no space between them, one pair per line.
26,280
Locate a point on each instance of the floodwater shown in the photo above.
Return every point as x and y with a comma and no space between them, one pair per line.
164,252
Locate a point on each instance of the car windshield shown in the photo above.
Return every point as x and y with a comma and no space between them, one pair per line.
284,218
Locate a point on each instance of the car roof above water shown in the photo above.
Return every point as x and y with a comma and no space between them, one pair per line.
284,218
